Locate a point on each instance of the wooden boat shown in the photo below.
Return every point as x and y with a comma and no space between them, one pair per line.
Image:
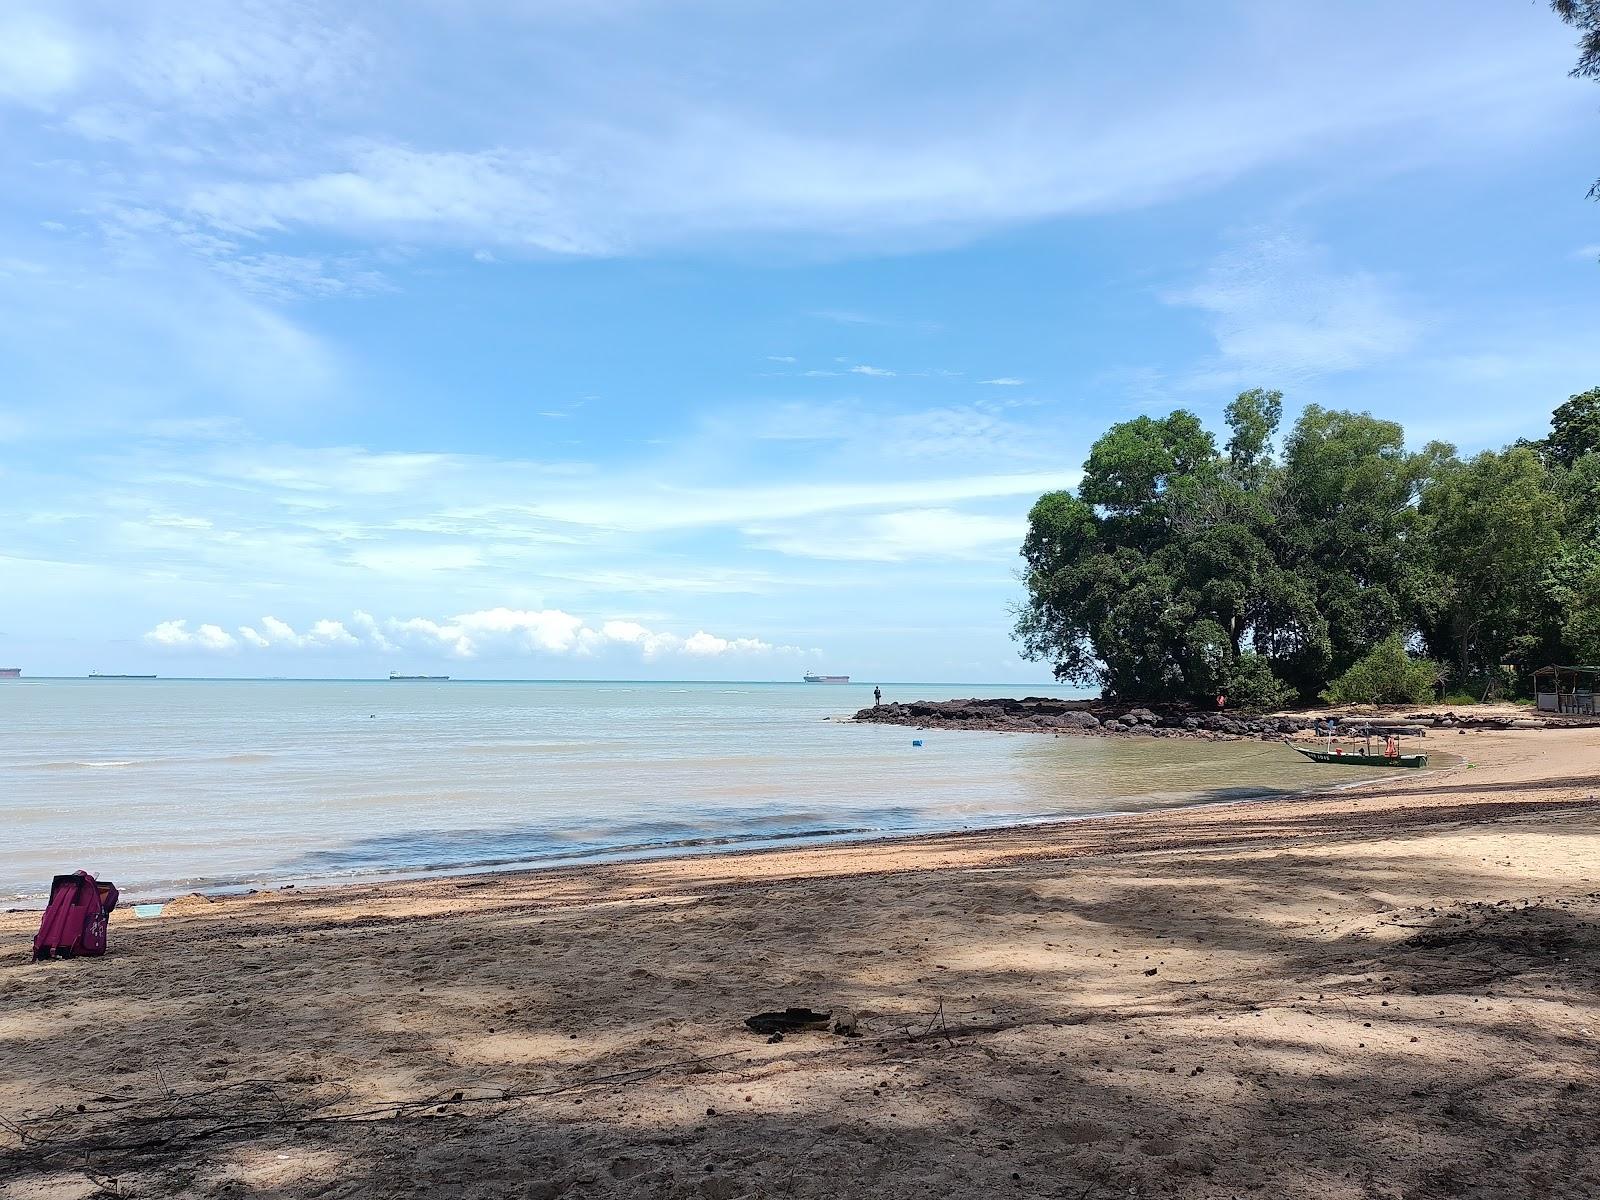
1353,759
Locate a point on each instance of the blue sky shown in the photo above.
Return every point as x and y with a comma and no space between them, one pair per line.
709,339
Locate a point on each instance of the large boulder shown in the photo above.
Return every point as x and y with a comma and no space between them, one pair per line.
1077,720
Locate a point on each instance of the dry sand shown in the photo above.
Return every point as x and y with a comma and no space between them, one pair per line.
1390,992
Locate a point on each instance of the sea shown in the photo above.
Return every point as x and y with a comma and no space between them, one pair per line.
170,786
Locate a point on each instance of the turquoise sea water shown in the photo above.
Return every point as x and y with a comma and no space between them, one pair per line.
169,785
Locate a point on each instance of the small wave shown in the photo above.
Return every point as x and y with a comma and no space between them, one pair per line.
91,764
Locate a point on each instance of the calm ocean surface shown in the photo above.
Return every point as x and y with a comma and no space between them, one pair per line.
168,785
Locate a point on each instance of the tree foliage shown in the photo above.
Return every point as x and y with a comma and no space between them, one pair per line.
1178,569
1574,430
1584,16
1386,674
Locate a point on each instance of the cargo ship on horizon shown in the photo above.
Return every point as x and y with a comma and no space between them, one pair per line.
10,672
810,678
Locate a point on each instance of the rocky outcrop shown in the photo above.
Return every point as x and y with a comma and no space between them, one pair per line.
1097,718
1090,718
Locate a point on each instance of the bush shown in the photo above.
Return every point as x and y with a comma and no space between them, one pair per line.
1386,675
1252,685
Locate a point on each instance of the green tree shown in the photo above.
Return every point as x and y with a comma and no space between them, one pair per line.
1252,685
1574,429
1491,541
1155,578
1177,569
1346,506
1253,416
1386,674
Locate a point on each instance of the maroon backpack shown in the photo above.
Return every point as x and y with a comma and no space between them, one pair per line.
76,917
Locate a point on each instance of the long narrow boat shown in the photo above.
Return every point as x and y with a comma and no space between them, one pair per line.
1360,760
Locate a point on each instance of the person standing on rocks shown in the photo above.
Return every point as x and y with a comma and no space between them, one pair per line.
877,697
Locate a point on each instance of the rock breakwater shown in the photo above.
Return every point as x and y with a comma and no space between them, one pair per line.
1042,714
1098,718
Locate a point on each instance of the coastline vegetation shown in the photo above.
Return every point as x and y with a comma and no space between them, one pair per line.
1342,566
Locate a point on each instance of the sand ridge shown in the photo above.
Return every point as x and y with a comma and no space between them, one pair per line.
1392,991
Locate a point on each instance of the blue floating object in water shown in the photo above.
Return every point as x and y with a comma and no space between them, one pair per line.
147,910
916,741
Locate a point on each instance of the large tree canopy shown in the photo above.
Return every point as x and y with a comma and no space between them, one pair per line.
1178,569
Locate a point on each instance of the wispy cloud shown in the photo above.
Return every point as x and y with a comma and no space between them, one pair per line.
1280,309
194,99
40,58
875,372
892,537
1004,381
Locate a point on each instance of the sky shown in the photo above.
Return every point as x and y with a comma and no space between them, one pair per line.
719,338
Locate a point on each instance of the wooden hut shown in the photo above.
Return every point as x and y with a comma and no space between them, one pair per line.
1565,689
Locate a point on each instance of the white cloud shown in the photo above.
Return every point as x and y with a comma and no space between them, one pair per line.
324,634
781,358
707,645
1004,381
429,124
1587,253
648,506
167,334
876,372
926,533
368,631
513,196
1280,311
176,635
39,60
502,629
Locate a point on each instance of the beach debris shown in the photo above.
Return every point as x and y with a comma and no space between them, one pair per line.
146,911
847,1024
790,1020
916,741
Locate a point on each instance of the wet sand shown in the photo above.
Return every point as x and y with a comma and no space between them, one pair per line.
1392,991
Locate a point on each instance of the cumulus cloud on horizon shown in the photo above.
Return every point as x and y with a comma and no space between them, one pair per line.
548,631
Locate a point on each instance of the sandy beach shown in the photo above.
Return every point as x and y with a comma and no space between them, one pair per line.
1392,991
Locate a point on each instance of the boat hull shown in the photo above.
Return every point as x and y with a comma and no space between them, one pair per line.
1361,760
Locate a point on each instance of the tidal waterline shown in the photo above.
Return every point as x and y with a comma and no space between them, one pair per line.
170,785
